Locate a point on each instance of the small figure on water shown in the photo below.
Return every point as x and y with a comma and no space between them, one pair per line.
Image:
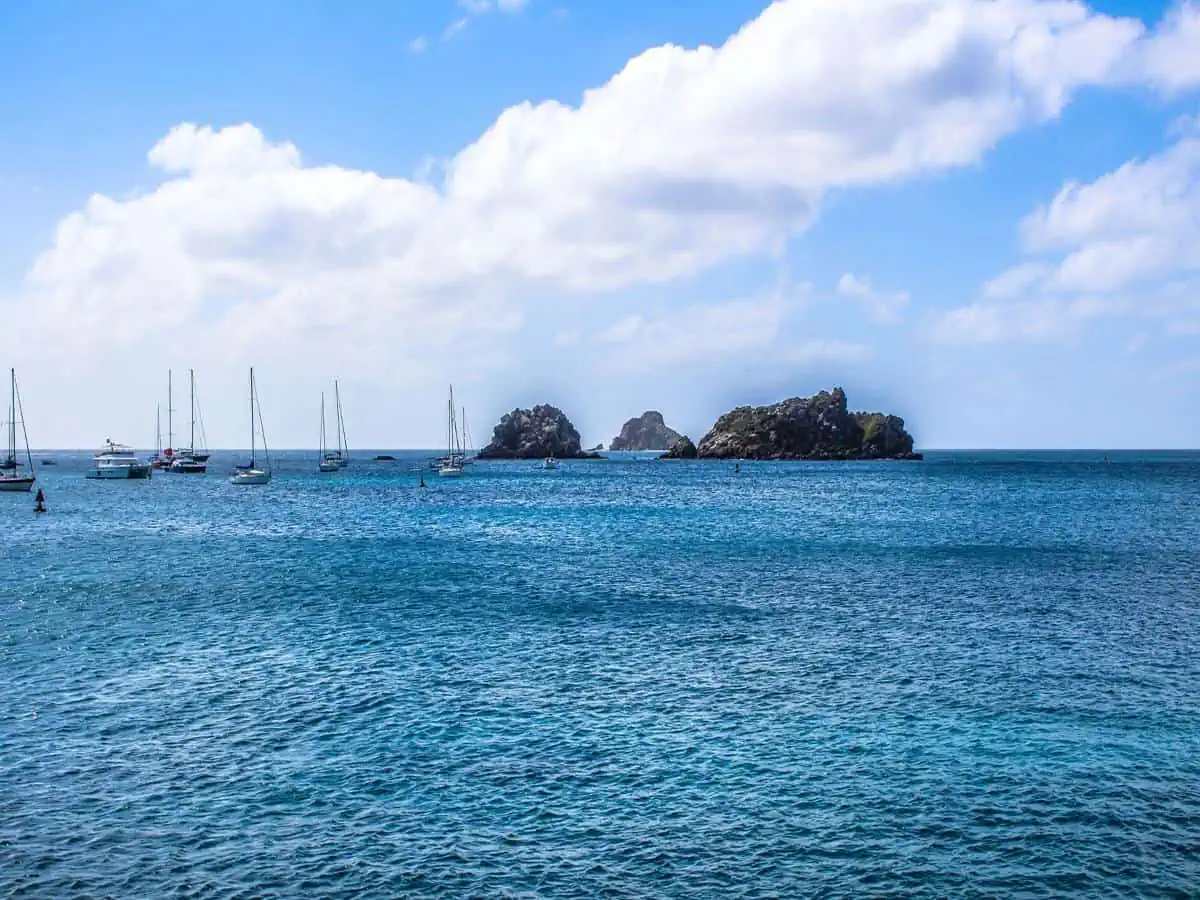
737,467
40,500
422,484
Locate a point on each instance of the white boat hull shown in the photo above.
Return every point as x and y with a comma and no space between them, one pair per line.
328,466
22,484
250,476
450,472
122,473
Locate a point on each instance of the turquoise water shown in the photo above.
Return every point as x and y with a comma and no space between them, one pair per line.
977,675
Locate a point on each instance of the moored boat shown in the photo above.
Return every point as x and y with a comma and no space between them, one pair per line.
451,465
252,473
118,461
12,479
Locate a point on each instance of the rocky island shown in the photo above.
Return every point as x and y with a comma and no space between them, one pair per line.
817,427
647,432
683,449
535,434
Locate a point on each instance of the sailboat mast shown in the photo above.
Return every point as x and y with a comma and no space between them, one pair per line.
12,416
192,410
343,445
170,416
323,424
252,417
158,429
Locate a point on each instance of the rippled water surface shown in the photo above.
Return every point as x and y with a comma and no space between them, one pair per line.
978,675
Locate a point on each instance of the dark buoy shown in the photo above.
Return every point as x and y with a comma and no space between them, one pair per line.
737,467
40,500
422,481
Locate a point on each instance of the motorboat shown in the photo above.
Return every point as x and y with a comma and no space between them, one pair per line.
118,461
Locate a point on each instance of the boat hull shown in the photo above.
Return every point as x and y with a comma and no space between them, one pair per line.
14,485
250,476
121,473
450,472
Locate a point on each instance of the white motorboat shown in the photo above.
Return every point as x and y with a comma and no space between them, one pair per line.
252,473
118,461
549,463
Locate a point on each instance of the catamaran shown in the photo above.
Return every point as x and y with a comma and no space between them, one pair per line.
190,461
340,456
11,477
326,462
252,473
452,464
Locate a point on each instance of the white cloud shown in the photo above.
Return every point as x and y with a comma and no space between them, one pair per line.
699,332
476,8
1128,241
419,44
881,306
455,27
684,160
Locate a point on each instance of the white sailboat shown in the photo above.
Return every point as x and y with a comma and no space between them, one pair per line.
252,473
341,455
452,465
191,461
11,477
327,462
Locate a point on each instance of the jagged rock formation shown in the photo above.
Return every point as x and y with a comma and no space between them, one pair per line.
647,432
683,449
817,427
535,434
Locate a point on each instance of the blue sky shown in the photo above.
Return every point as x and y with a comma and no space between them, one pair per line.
872,193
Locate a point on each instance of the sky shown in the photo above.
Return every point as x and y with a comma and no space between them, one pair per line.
980,215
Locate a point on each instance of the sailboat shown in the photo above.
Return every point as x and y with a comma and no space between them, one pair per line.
452,465
189,462
158,461
327,462
164,456
341,456
252,474
468,445
11,478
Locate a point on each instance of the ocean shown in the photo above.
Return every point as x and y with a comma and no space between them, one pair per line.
977,675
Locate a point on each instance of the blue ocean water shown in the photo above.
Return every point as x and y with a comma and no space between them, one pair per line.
973,676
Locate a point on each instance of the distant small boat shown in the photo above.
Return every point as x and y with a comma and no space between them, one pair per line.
549,463
339,458
11,478
49,462
325,461
451,465
190,461
118,461
252,474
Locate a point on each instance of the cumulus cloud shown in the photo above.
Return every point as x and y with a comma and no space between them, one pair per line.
1128,241
684,160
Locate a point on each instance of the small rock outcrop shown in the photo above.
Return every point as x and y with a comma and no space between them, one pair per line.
647,432
817,427
534,434
683,449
